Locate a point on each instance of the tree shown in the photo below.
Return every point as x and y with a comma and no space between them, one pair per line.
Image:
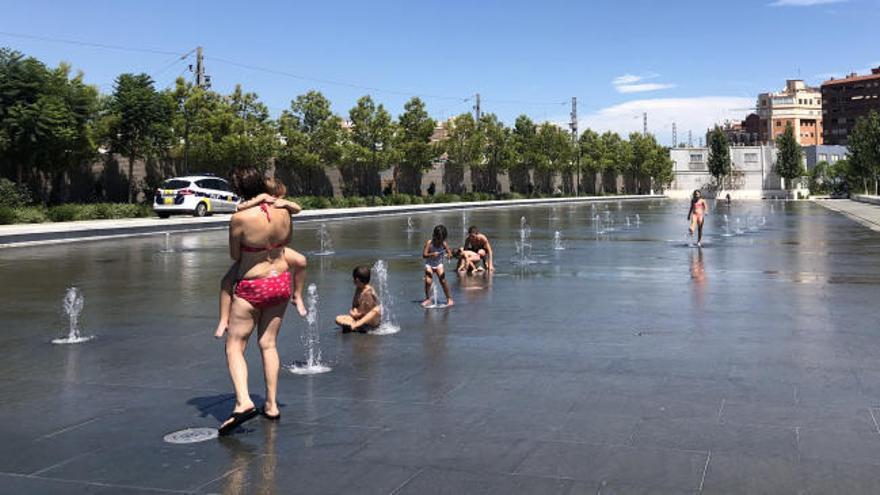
719,163
46,117
524,153
368,149
312,136
555,155
591,157
615,154
864,149
139,122
790,156
464,148
497,154
413,142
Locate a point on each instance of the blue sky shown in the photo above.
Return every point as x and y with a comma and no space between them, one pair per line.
692,62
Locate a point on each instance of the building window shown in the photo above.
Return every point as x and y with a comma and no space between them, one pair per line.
696,158
751,158
778,124
823,157
834,158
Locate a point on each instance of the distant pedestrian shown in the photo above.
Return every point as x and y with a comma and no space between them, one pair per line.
696,214
432,188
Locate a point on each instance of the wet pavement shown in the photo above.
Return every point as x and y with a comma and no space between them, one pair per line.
628,362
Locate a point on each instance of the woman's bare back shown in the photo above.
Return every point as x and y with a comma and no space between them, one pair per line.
268,229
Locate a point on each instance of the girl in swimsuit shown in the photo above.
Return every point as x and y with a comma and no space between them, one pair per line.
294,259
696,215
434,252
257,237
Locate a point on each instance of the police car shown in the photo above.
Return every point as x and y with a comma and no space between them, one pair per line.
197,195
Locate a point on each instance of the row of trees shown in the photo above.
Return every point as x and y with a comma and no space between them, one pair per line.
52,123
861,168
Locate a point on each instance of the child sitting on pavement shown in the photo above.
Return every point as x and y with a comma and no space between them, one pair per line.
366,312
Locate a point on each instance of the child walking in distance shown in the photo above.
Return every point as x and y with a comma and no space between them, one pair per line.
434,252
696,215
365,313
295,260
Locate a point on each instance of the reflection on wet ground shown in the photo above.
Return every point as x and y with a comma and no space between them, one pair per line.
628,361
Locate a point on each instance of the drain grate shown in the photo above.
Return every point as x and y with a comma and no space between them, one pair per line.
191,435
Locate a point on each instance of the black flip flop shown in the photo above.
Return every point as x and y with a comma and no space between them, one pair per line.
238,419
270,417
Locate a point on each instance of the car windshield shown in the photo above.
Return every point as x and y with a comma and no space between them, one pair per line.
175,184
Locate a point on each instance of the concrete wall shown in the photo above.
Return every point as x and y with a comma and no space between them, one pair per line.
752,176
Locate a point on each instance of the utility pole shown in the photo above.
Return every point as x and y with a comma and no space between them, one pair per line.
645,124
574,140
200,68
203,81
477,113
690,139
674,136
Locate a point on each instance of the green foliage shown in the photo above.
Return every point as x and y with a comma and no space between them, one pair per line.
13,195
97,211
719,163
464,144
46,117
820,178
311,136
368,146
24,214
413,143
138,121
864,150
790,156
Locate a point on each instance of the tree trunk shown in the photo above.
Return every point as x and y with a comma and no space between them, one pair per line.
19,174
131,178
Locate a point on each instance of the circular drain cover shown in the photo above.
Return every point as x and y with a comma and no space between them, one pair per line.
191,435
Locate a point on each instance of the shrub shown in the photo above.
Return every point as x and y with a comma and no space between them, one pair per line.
28,214
64,213
7,215
446,198
418,200
398,199
13,195
355,202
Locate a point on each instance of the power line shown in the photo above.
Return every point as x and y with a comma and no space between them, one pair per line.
331,81
87,43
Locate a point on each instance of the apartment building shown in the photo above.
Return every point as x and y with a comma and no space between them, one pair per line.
845,100
798,105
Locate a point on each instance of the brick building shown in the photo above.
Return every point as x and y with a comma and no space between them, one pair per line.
845,100
798,105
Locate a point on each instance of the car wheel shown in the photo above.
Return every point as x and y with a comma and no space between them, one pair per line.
201,210
164,215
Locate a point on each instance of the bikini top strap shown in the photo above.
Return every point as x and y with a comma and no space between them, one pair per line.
265,209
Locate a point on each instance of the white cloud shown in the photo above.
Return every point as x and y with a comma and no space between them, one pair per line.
641,88
695,114
803,3
629,83
626,79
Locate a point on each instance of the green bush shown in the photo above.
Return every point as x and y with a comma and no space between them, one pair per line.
64,213
355,202
446,198
398,199
7,215
24,214
14,196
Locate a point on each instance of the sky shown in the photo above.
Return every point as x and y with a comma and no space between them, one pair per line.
695,63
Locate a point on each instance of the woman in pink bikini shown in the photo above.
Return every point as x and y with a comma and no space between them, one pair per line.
257,237
696,215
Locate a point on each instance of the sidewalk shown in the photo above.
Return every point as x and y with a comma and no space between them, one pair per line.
53,233
865,213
